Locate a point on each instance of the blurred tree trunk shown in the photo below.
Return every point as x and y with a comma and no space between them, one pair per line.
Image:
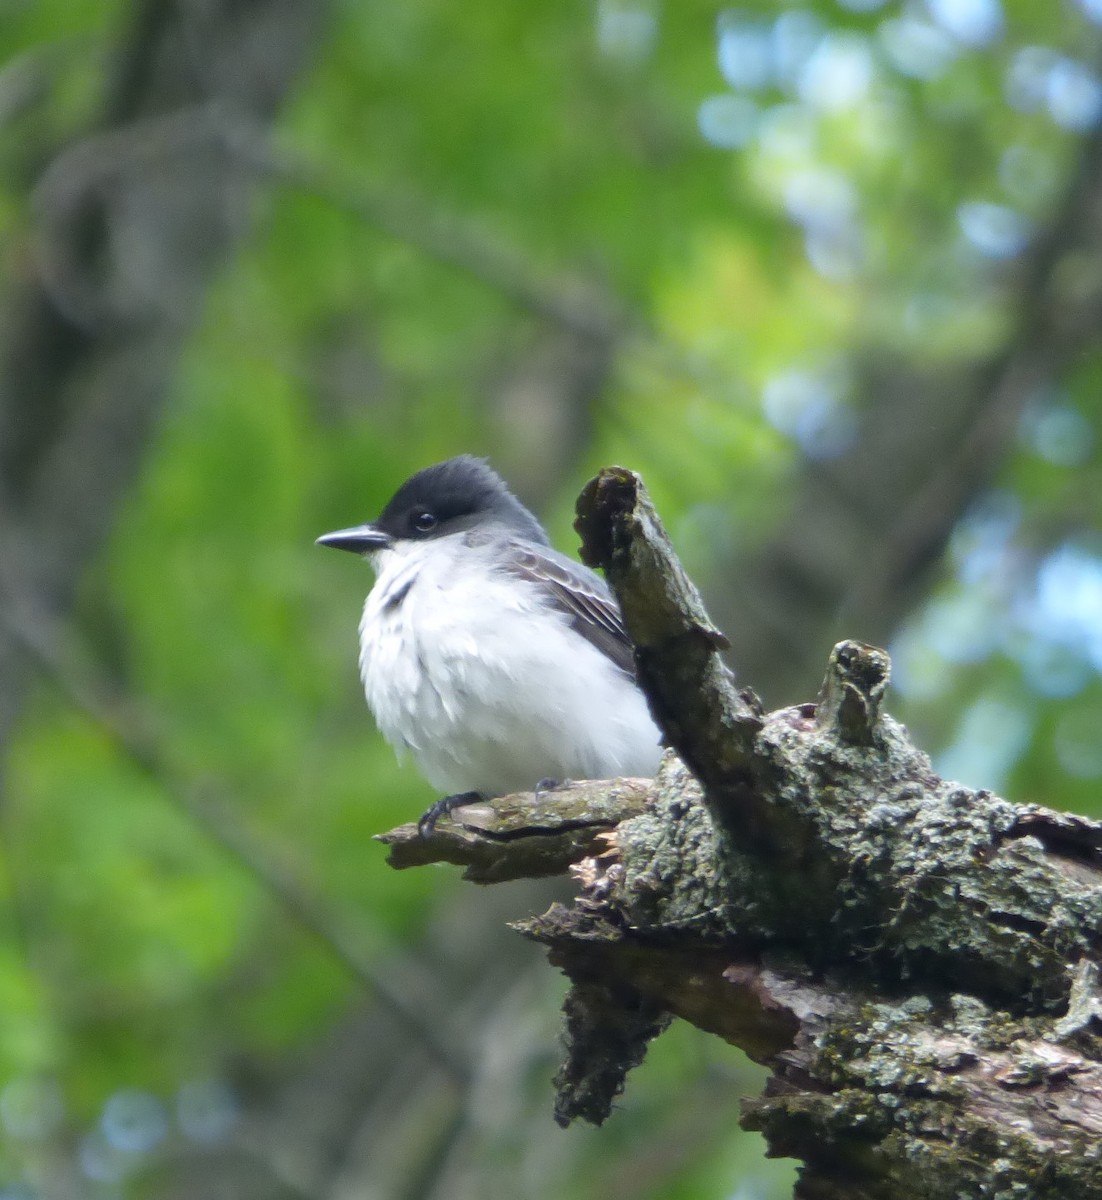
133,220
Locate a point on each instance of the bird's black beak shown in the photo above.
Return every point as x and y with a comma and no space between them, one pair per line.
361,539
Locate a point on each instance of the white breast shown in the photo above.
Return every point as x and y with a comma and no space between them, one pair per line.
454,673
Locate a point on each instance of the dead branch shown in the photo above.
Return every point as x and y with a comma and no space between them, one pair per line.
916,962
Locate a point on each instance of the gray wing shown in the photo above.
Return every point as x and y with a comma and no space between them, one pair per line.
580,594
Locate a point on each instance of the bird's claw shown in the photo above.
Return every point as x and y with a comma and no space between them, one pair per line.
442,807
549,785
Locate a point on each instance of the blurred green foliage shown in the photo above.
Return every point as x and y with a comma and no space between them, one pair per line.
443,161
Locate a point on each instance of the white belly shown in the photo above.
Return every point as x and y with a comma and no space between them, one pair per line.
483,709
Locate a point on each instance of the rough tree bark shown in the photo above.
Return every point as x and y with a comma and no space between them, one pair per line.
916,962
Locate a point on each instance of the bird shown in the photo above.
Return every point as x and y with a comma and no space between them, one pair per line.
499,664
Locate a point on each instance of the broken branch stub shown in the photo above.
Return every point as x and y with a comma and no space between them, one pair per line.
690,688
853,690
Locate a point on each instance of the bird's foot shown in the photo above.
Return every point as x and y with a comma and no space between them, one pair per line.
549,785
442,807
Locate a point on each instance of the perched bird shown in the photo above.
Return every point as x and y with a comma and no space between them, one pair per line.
500,664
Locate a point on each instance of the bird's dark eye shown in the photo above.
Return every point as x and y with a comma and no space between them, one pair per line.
424,521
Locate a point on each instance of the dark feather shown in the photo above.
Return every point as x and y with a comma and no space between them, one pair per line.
581,595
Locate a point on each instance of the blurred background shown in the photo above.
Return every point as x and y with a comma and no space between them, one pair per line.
829,274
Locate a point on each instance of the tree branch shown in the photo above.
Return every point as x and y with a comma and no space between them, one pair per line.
523,836
915,961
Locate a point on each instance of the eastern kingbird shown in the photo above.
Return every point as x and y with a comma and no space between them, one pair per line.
497,662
